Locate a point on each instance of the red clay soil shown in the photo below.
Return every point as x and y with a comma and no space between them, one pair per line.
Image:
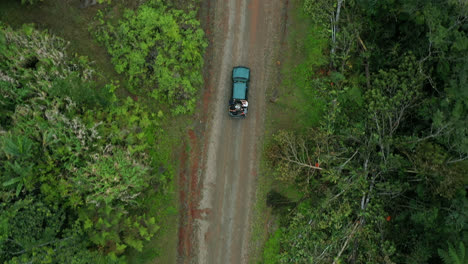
188,187
189,194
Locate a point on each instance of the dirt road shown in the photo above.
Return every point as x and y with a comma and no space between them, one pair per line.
223,165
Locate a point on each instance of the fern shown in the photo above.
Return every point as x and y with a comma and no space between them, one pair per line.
16,146
452,255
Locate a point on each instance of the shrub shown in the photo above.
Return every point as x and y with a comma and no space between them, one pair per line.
160,51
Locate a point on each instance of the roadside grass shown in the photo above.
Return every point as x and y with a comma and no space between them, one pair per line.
301,58
165,206
305,49
167,241
261,215
65,19
163,247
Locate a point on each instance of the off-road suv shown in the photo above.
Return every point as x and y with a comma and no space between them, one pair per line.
238,104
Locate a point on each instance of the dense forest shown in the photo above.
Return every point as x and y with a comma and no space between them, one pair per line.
85,170
379,162
374,169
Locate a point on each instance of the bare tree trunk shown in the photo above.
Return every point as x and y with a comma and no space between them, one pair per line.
366,62
86,3
335,21
367,74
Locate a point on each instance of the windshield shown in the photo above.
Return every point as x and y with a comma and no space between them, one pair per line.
239,79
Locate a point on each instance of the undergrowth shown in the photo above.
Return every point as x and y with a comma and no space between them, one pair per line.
159,49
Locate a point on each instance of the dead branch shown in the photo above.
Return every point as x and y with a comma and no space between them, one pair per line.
346,242
346,162
300,163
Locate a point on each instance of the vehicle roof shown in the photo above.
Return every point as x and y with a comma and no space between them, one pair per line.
239,90
241,72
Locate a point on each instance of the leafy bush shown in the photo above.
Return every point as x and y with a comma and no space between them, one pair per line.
160,51
75,167
33,62
111,178
87,93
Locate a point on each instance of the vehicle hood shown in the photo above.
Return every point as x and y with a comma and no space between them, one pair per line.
241,72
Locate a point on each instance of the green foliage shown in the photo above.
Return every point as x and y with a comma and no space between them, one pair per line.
34,224
75,165
114,229
391,141
392,92
34,62
111,178
87,94
454,255
319,11
160,51
312,43
272,247
432,171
